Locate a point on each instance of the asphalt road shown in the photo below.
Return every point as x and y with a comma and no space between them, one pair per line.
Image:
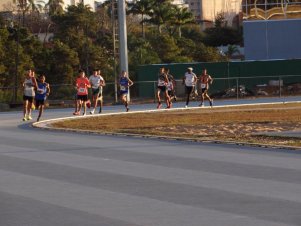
67,179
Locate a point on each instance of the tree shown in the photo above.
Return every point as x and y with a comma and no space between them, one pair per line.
141,7
166,48
161,14
55,7
182,16
232,49
204,53
221,35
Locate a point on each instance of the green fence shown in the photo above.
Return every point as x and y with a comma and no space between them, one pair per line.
264,70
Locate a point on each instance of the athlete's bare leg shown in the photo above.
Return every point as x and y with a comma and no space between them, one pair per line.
41,110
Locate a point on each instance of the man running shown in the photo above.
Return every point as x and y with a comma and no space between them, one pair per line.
97,82
189,80
29,86
205,80
82,85
124,83
43,90
162,87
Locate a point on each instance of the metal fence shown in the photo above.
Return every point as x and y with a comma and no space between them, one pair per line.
232,87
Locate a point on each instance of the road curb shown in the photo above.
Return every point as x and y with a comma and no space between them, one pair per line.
46,125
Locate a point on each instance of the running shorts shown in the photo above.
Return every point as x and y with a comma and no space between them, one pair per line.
162,88
28,98
82,97
39,102
204,90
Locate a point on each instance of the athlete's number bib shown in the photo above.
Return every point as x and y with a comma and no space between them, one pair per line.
203,86
82,90
122,88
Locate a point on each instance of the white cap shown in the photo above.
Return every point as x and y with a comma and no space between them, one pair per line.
190,68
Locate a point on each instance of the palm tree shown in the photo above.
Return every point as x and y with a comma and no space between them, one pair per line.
182,16
232,49
141,7
55,7
161,15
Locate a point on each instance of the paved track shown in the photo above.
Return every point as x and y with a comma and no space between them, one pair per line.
67,179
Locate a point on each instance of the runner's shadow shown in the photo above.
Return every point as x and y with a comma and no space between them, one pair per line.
26,126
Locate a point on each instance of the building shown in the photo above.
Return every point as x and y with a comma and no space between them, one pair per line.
180,3
271,10
272,29
207,10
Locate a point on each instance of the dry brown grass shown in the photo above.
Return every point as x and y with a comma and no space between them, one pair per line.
241,124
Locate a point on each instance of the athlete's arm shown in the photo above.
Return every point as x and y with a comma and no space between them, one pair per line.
211,80
130,82
48,89
102,82
88,83
35,84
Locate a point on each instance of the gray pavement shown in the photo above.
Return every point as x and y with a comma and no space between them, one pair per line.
66,179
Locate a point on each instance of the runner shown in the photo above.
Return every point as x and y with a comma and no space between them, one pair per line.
97,82
171,86
43,90
205,79
189,80
162,87
29,85
125,82
82,85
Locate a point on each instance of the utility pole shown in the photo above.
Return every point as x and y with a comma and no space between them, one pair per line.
123,40
123,36
119,40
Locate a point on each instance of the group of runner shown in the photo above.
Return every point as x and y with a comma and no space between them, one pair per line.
96,82
34,94
36,91
166,86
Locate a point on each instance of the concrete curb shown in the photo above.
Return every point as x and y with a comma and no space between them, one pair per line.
46,124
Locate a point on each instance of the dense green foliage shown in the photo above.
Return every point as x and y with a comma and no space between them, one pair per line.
158,32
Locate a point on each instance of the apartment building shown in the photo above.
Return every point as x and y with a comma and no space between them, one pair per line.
207,10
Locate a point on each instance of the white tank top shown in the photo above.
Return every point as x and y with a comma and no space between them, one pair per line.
29,88
190,79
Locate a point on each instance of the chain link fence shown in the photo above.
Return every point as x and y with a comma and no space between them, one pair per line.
145,91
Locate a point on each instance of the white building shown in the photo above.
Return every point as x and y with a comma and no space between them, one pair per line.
207,10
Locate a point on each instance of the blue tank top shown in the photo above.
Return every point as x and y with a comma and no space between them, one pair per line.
124,84
41,91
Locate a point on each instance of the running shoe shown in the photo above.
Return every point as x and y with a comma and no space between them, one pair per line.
100,111
84,114
159,106
76,113
28,117
24,119
211,103
201,105
127,109
186,106
92,112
